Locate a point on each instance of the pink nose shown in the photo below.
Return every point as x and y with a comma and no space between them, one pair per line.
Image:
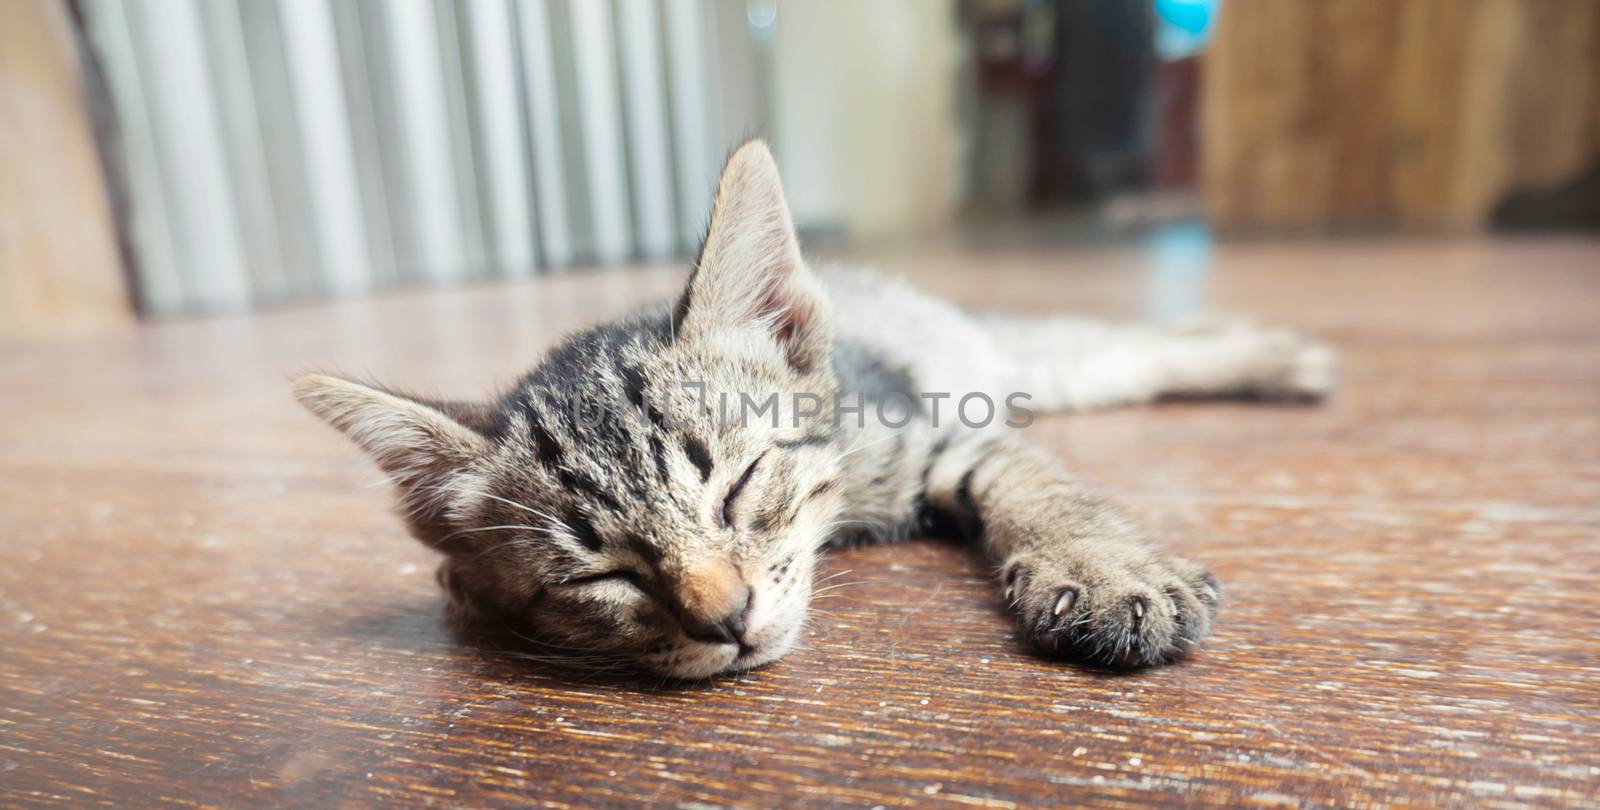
715,602
727,629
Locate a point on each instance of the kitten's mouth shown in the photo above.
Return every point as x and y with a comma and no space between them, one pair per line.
735,657
766,650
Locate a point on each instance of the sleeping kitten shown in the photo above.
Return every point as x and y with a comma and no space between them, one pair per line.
622,499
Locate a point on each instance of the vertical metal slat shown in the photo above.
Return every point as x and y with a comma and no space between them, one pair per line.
168,38
691,117
549,173
649,140
601,114
425,134
160,280
325,137
500,112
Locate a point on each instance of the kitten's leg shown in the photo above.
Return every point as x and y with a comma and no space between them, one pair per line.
1083,580
1072,363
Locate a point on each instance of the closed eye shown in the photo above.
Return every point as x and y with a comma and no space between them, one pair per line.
618,575
726,515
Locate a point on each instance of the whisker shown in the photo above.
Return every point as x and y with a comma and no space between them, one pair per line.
540,529
506,501
834,587
513,542
892,436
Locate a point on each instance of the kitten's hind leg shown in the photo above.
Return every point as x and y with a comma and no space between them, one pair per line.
1084,582
1073,363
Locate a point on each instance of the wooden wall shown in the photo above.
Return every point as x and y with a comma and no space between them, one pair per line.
1416,113
60,271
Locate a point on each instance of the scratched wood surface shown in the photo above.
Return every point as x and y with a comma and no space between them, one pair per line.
205,602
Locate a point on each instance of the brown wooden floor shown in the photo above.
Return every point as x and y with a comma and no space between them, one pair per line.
204,600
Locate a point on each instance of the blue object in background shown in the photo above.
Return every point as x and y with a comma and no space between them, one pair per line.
1183,26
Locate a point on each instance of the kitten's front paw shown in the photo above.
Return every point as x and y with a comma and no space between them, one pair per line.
1118,613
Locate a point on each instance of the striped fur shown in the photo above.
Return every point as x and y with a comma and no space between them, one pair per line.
606,509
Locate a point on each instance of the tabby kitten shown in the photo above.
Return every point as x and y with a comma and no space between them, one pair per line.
621,500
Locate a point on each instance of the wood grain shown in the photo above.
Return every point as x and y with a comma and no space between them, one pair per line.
1380,114
204,601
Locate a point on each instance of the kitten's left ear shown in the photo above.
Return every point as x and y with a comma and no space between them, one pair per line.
750,271
423,446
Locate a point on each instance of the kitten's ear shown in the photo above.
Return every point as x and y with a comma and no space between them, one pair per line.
750,271
420,446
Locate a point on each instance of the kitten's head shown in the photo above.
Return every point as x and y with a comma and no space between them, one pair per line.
609,505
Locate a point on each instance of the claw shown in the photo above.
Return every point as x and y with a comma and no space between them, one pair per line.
1065,600
1012,572
1138,610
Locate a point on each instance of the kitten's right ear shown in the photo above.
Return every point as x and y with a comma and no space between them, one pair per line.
421,447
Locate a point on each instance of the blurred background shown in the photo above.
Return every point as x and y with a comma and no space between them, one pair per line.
181,158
